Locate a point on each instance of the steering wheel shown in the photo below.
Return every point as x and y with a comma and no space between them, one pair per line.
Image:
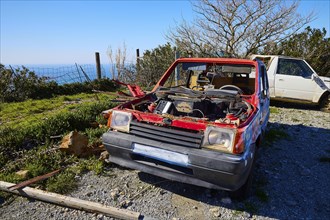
232,87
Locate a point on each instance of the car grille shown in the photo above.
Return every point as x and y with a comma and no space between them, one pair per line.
166,135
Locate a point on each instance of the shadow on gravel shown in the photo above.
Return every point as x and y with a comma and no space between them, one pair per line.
292,178
294,105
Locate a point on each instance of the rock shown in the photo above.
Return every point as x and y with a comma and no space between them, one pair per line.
114,195
226,200
23,173
104,156
126,203
89,194
215,211
74,143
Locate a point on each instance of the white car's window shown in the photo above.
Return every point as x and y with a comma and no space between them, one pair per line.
294,67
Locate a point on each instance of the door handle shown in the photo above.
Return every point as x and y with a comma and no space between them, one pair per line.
280,79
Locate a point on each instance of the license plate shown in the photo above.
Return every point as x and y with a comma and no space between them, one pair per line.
160,154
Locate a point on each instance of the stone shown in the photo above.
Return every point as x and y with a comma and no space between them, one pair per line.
126,203
23,173
74,143
104,156
114,195
215,211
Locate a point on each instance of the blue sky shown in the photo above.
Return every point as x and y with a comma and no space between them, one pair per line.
62,32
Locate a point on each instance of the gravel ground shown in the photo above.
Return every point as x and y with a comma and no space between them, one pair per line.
291,182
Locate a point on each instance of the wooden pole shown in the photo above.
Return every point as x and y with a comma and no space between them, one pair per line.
70,202
98,65
137,60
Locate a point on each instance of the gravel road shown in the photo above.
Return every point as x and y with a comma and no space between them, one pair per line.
292,181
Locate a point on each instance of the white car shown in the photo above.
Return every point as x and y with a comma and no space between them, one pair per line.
293,79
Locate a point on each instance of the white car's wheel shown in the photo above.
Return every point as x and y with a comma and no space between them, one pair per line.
325,104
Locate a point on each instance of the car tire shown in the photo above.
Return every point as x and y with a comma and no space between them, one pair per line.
244,191
325,103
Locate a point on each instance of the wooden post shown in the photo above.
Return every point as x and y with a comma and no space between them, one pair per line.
98,65
70,202
137,60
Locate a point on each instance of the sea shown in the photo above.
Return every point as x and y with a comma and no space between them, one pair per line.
68,73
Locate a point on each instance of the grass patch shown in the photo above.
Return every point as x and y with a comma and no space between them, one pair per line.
250,207
324,159
273,135
261,195
29,133
62,183
25,144
33,111
44,160
237,212
274,110
26,128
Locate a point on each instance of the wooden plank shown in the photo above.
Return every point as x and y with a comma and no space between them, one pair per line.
71,202
33,180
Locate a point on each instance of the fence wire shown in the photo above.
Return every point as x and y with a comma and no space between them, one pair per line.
68,74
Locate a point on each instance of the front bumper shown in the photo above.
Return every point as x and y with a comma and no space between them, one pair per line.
205,168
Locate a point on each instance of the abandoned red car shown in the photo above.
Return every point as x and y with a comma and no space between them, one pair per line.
201,124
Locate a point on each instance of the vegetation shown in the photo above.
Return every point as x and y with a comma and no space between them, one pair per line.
261,195
273,135
273,110
237,28
154,64
311,44
40,127
28,121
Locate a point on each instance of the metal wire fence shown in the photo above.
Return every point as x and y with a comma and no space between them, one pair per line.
64,74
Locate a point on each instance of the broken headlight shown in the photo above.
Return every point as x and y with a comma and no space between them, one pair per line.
120,121
219,139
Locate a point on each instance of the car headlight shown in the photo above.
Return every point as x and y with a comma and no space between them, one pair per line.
219,139
120,120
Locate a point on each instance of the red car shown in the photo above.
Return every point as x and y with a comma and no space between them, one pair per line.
201,124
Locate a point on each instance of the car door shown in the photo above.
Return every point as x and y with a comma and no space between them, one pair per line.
264,97
293,80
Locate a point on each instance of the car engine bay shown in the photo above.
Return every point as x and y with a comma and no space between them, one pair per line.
224,106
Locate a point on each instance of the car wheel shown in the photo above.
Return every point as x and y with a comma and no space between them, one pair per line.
244,191
325,104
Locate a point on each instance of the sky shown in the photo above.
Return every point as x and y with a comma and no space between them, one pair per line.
68,32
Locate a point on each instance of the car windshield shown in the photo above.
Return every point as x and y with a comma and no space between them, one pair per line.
198,76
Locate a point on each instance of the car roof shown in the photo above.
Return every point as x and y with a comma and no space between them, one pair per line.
217,60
